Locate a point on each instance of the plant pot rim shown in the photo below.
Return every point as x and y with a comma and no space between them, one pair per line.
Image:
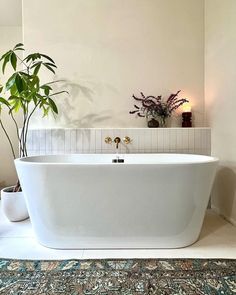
8,189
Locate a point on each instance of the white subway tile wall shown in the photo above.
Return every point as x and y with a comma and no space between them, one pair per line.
143,140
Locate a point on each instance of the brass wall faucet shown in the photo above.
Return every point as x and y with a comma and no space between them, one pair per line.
117,141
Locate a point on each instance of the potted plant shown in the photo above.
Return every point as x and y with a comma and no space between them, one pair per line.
25,93
155,109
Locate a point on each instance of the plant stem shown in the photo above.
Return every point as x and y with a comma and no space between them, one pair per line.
22,135
22,61
8,138
17,129
16,125
56,93
27,124
17,187
25,130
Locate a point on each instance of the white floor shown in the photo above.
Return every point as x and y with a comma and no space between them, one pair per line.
217,240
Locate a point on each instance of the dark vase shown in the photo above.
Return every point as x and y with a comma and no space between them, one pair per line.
153,123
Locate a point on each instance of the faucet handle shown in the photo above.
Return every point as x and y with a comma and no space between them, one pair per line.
127,140
117,139
108,140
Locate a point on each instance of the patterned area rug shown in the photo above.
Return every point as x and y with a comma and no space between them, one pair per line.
123,277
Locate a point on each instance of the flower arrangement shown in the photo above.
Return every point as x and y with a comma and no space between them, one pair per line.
155,107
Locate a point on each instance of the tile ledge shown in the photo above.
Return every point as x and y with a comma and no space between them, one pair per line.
120,128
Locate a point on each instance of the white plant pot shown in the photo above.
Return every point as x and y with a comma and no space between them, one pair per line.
13,204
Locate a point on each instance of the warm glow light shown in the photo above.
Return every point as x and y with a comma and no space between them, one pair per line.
186,107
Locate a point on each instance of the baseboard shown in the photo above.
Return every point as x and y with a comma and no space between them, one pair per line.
229,219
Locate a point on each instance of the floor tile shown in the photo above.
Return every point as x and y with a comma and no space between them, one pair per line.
29,248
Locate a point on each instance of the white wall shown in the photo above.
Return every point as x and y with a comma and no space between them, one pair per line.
220,96
11,13
9,36
109,49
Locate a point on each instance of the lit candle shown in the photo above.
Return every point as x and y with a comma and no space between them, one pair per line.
187,107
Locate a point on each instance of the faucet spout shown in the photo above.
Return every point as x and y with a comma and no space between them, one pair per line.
117,141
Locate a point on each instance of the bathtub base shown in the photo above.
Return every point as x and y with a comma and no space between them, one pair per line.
123,234
77,244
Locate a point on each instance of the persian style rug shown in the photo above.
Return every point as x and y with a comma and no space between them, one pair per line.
123,277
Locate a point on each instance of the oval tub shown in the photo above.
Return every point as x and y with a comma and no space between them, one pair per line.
86,201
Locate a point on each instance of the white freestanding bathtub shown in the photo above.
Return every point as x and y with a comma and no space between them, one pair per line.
86,201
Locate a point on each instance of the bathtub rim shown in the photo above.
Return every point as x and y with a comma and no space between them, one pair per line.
206,159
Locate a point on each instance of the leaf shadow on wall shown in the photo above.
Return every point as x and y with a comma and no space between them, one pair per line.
224,190
76,108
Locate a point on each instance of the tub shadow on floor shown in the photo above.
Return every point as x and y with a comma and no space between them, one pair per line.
212,226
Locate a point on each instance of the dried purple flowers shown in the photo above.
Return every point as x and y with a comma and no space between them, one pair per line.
155,107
